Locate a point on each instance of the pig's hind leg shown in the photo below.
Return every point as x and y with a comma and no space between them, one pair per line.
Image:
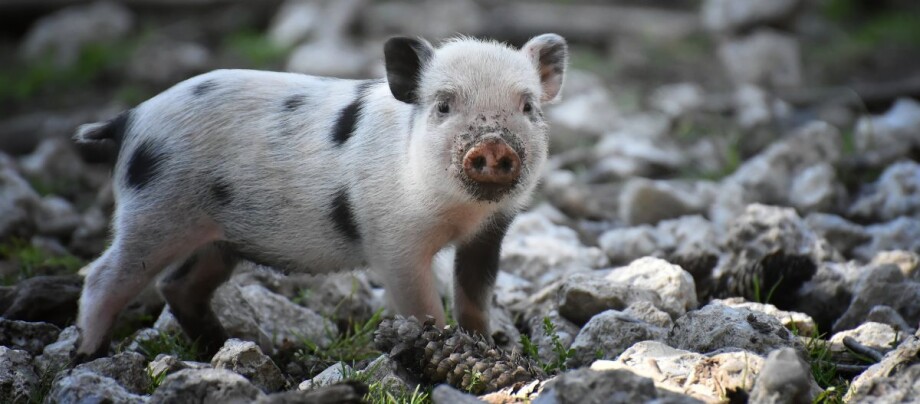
188,290
146,241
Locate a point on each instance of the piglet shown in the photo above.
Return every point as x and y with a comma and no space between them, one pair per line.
318,174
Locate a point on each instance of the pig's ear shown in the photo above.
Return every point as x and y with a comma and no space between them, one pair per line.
404,58
549,53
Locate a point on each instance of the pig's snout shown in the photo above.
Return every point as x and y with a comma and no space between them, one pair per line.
492,163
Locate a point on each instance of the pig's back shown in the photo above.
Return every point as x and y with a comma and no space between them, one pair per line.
261,152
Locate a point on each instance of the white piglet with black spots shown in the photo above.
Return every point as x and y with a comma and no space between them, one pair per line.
319,174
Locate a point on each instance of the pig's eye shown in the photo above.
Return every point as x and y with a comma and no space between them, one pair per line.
443,107
527,107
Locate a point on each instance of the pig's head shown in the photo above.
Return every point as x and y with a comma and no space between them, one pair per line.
478,131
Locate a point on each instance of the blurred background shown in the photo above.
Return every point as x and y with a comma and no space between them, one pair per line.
664,103
64,62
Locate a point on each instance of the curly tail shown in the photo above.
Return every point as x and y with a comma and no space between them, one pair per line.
103,140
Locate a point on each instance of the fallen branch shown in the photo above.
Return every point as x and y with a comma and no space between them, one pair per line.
848,369
855,346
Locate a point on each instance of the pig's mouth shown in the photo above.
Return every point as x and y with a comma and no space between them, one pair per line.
490,162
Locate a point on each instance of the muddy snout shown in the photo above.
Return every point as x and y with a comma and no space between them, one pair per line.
492,162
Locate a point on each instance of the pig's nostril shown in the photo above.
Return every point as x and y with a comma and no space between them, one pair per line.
479,163
505,164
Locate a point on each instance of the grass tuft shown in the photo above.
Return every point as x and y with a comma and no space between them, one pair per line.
170,343
824,371
355,344
562,354
379,392
21,81
758,294
34,261
155,380
45,382
475,381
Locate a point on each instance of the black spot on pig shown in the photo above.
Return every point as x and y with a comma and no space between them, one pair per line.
343,217
203,88
345,124
104,144
221,192
116,128
348,118
144,164
294,102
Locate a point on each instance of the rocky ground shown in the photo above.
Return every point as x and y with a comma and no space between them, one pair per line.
731,212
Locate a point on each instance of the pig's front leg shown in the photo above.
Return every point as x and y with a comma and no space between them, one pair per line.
475,269
409,281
